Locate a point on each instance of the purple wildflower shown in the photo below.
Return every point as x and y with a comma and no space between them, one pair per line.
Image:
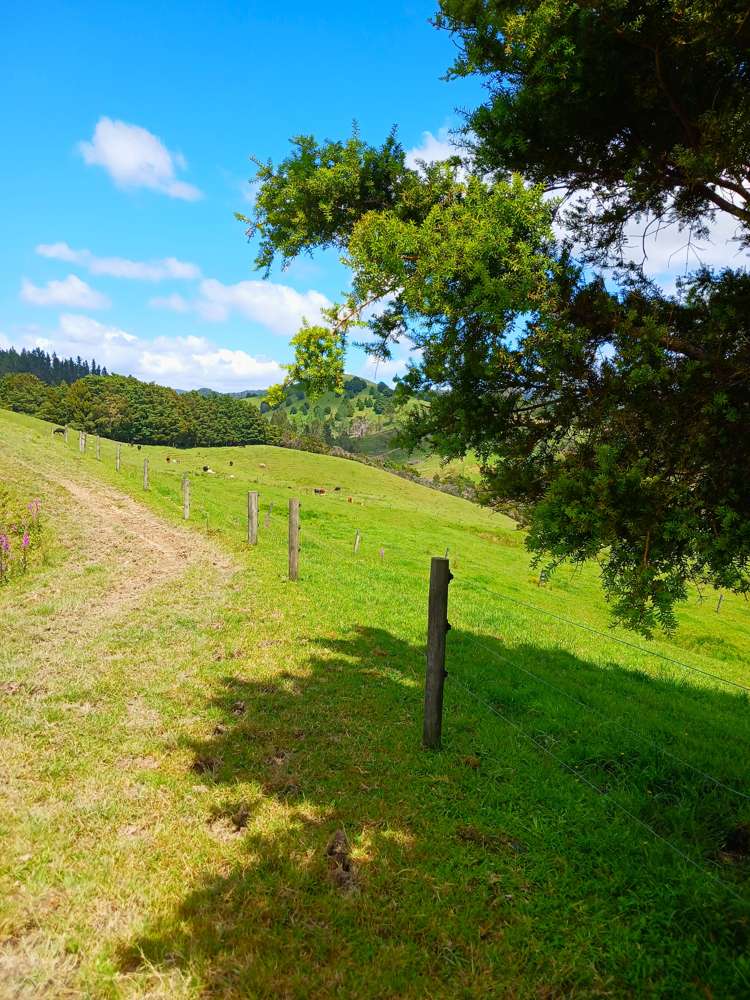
4,543
25,540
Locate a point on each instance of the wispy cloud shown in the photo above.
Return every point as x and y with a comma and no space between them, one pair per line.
134,157
71,292
121,267
173,303
279,308
85,330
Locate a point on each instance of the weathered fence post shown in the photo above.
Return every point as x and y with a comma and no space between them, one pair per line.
186,497
293,539
382,553
252,518
437,628
65,435
357,537
718,606
117,458
98,447
145,473
81,442
267,522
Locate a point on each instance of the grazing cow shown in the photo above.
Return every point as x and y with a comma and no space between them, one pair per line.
59,430
320,492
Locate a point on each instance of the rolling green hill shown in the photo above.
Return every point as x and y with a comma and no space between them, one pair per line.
364,419
214,785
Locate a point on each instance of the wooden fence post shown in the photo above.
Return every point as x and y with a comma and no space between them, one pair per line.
252,518
98,447
145,473
357,537
81,442
185,497
65,435
293,539
117,457
437,628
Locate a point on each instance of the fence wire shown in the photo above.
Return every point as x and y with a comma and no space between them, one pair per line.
601,791
614,722
608,636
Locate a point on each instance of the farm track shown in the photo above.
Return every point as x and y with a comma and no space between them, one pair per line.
137,550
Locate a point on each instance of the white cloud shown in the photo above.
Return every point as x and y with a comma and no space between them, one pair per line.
277,307
70,292
4,342
174,303
671,252
183,362
135,157
432,148
380,370
85,330
122,267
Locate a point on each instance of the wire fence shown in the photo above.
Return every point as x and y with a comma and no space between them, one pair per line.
601,791
607,719
276,527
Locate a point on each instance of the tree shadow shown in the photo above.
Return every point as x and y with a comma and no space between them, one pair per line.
485,870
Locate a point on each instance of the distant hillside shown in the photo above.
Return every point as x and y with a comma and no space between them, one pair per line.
364,419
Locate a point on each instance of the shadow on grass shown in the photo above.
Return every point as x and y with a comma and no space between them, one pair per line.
484,870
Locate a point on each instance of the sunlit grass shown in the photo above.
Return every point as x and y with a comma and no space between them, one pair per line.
176,775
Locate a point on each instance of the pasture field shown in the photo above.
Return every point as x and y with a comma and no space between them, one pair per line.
212,778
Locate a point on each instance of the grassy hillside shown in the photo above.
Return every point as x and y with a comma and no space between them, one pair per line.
184,732
363,419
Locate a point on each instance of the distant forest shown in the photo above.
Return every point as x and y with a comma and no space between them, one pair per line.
47,367
125,409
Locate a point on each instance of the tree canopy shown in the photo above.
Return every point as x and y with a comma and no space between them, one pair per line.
127,409
612,416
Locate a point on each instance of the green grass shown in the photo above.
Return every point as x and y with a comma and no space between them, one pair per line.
432,465
486,869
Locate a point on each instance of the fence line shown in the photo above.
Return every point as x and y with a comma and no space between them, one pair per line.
609,637
293,538
601,791
606,718
551,614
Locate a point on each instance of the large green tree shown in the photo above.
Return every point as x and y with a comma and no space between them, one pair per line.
612,416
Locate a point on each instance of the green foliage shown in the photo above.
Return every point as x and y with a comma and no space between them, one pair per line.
608,98
129,410
23,393
609,418
48,368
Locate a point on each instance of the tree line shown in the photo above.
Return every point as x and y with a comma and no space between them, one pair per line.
126,409
47,367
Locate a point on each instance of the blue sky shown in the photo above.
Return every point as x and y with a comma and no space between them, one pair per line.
128,131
